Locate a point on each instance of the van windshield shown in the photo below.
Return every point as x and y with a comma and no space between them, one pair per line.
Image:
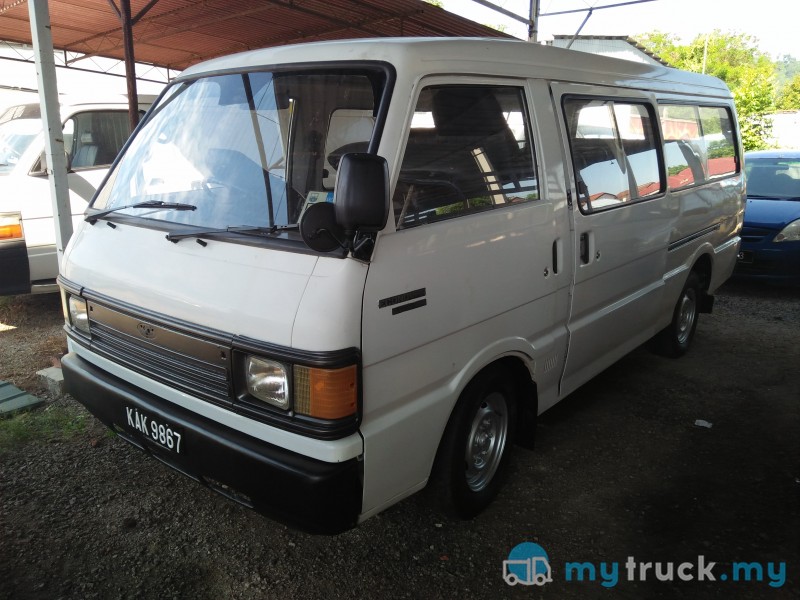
245,149
15,138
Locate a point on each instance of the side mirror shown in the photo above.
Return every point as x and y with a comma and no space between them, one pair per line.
361,197
361,205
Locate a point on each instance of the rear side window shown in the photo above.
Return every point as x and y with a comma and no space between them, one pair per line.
615,154
469,149
699,144
718,137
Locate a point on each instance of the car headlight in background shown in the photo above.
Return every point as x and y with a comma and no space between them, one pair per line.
78,313
11,226
790,233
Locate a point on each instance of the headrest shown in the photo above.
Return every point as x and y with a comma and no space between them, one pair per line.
465,110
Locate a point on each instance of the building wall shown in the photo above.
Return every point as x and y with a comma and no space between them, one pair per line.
786,130
616,48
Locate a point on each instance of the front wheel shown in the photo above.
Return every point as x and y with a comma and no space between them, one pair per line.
477,442
674,340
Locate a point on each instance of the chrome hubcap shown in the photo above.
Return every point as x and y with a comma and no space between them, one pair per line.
686,316
486,441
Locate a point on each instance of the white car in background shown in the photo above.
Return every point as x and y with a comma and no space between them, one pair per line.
94,133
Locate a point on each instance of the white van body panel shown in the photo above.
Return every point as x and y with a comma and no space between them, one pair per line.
267,286
24,190
37,213
329,313
465,325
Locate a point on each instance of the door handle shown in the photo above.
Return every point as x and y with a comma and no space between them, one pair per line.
586,247
557,254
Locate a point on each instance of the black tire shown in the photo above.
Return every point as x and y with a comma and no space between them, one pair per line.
674,340
473,456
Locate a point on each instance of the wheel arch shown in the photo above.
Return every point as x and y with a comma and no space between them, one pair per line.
703,267
516,367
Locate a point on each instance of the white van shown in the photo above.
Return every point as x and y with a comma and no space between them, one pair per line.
321,276
94,133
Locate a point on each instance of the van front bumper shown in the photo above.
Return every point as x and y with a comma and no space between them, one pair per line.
15,276
302,492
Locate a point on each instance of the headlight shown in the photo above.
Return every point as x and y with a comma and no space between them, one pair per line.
11,226
268,380
328,394
790,233
78,314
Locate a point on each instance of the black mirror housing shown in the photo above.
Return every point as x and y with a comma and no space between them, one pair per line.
362,193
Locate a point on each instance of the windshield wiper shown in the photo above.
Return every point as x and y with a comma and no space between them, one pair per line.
255,231
149,204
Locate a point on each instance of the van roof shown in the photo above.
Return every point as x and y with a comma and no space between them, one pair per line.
514,58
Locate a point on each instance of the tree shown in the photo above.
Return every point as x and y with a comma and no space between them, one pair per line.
736,60
789,96
786,68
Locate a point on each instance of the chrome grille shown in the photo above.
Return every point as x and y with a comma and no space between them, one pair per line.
190,364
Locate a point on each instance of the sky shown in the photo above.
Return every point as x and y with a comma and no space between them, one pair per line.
773,22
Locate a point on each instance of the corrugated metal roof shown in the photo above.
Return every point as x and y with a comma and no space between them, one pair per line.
179,33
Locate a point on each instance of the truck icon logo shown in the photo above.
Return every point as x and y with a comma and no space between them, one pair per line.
527,564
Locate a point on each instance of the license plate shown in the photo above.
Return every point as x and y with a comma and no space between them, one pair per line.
745,256
160,432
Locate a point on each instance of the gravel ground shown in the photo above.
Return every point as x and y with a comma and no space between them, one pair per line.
619,470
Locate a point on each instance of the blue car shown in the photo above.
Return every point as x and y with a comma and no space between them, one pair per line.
771,234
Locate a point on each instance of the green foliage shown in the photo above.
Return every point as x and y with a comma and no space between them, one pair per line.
736,60
789,96
472,204
57,421
500,27
786,68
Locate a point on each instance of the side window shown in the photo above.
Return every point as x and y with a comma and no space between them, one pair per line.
718,138
96,138
614,152
469,149
698,143
684,149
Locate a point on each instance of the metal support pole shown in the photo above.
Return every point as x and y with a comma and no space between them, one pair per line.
130,63
39,14
577,33
533,23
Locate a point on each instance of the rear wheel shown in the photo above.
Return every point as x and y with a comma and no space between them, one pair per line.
674,340
474,454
